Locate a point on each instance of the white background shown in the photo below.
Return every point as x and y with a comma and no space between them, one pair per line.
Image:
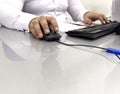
103,6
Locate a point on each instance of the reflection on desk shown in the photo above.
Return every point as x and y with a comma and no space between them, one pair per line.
32,66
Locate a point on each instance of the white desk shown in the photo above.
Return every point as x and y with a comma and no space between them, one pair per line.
31,66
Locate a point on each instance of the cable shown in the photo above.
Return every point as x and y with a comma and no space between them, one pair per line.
81,45
109,50
117,56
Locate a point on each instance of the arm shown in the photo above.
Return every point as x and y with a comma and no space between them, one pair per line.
12,16
76,10
79,13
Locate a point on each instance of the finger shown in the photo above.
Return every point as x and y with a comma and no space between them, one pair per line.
52,21
44,25
101,20
38,30
105,19
31,27
88,21
35,28
34,33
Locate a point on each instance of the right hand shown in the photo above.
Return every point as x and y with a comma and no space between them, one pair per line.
44,23
90,17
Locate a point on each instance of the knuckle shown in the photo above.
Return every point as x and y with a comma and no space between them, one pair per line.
35,22
37,26
41,18
52,19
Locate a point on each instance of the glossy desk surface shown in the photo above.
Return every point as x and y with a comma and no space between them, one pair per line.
31,66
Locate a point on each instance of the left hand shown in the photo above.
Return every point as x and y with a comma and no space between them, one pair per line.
89,17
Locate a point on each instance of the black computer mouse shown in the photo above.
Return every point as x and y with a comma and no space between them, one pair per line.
52,36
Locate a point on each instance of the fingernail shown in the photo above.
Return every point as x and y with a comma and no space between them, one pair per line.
40,35
47,31
56,28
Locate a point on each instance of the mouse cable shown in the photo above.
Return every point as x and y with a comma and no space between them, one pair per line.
109,50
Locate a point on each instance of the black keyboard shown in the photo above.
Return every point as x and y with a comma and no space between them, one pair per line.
93,32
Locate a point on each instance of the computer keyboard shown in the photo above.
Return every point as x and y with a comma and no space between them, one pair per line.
93,32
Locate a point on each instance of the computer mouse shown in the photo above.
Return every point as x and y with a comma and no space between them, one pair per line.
52,36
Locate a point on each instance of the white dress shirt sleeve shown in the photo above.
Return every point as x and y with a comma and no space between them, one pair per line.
11,15
76,10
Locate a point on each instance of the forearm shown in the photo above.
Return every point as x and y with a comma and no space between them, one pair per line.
76,10
12,16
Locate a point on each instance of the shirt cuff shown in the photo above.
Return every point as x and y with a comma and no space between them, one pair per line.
81,15
23,20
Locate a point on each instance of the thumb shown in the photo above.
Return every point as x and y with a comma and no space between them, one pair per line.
87,21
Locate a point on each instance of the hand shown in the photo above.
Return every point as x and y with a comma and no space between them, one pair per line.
89,17
42,24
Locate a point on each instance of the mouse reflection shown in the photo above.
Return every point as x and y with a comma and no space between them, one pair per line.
49,51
